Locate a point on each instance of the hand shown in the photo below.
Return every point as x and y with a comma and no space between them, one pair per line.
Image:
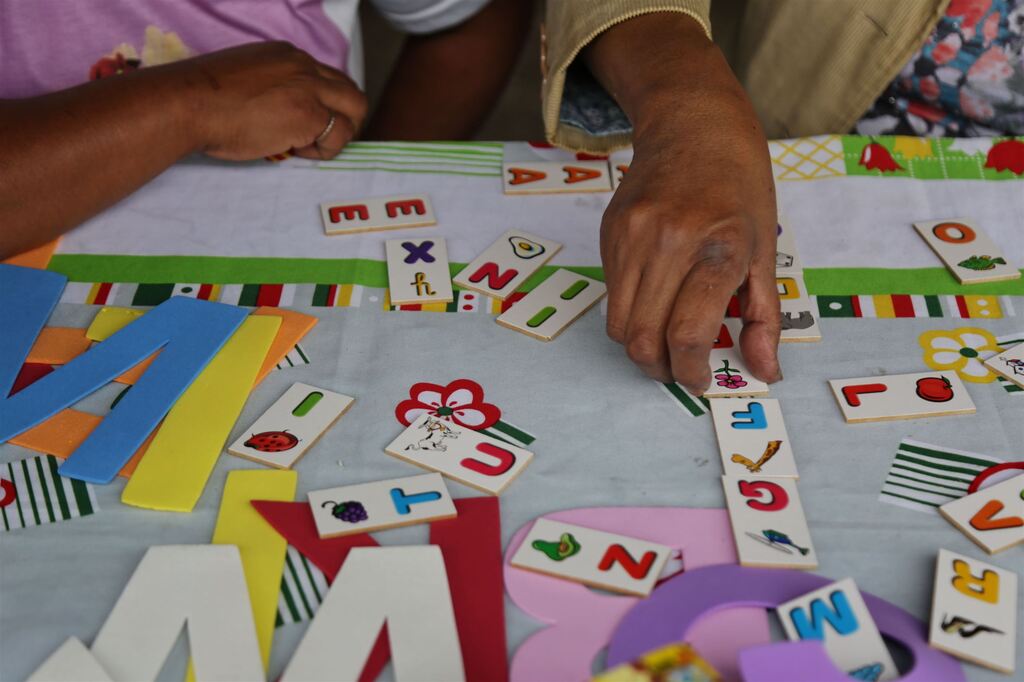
266,98
694,220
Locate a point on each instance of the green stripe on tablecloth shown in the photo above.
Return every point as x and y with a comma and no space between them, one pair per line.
920,281
373,273
942,454
65,509
226,270
482,174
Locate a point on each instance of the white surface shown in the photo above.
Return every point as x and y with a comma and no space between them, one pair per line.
408,211
447,448
71,662
851,650
307,428
515,250
979,594
268,210
550,293
380,509
900,399
558,177
418,282
736,437
978,244
747,497
406,587
1009,507
585,565
202,586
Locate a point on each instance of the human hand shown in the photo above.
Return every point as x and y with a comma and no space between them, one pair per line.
693,221
261,99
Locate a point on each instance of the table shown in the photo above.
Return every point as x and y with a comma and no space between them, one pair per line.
605,435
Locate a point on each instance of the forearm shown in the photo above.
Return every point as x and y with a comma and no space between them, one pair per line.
70,154
656,62
444,84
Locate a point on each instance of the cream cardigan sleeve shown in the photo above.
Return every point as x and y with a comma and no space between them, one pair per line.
578,114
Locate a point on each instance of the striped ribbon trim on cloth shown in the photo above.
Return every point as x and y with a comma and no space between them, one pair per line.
923,477
481,159
295,357
509,433
303,589
689,403
33,494
882,306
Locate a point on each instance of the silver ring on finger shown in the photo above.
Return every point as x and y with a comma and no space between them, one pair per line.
327,131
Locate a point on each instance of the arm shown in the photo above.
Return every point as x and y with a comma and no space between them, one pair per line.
70,154
694,219
444,84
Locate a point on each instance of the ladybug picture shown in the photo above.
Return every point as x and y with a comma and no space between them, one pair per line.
272,441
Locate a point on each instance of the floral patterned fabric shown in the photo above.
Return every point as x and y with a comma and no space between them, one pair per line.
966,81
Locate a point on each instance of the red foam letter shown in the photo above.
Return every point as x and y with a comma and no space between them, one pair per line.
405,207
348,212
495,280
521,176
505,460
619,554
852,393
779,498
574,174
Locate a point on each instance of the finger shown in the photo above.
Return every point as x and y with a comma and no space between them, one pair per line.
622,277
759,306
327,146
649,317
344,99
623,282
697,314
329,72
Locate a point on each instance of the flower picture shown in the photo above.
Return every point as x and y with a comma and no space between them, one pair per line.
962,350
461,402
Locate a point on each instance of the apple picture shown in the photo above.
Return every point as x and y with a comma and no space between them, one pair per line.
935,389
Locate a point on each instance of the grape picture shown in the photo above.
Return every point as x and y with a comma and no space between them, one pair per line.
349,512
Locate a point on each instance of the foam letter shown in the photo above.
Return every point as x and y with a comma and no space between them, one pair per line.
505,460
71,662
27,297
189,331
198,586
348,212
404,587
495,280
403,502
779,498
985,588
841,617
405,207
619,554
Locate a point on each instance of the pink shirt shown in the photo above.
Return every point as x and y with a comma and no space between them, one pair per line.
48,45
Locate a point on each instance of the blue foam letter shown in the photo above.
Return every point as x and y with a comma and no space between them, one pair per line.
188,332
27,297
403,502
840,617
